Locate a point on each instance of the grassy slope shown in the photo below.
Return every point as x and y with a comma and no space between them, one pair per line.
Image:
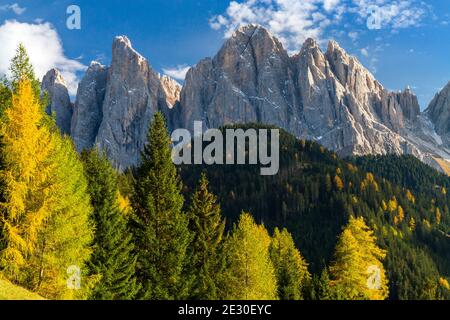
445,165
8,291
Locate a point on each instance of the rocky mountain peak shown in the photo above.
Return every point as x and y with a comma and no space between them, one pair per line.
311,56
251,40
122,40
310,43
59,101
249,30
439,111
132,94
53,76
409,104
88,112
172,90
95,66
124,54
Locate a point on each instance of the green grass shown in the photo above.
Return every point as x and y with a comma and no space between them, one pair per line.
9,291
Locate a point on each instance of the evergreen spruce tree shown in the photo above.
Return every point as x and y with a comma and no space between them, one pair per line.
22,69
205,256
250,272
322,286
357,272
160,227
290,267
113,256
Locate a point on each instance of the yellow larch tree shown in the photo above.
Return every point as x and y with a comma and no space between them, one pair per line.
357,271
27,149
250,272
45,210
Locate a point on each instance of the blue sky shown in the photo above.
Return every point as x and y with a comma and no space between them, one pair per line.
409,44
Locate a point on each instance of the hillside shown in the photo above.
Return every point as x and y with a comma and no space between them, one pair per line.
445,165
314,194
8,291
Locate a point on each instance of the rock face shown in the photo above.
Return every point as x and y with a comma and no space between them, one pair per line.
439,111
88,113
172,90
55,86
134,92
410,105
249,80
114,105
327,96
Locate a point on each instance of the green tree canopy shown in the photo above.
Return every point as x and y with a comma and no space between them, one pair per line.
207,226
113,257
160,227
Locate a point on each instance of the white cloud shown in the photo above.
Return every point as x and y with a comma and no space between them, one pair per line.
292,21
364,52
395,14
353,35
44,48
178,73
329,5
17,9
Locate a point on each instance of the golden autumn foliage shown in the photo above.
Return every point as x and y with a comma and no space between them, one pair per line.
396,220
444,283
370,181
27,147
437,213
400,214
392,204
426,223
412,224
338,183
124,204
46,210
410,196
357,271
384,205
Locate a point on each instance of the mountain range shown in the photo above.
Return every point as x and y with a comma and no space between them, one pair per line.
325,96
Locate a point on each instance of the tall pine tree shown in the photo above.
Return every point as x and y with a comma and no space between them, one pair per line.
205,259
113,256
160,227
22,69
250,272
290,267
